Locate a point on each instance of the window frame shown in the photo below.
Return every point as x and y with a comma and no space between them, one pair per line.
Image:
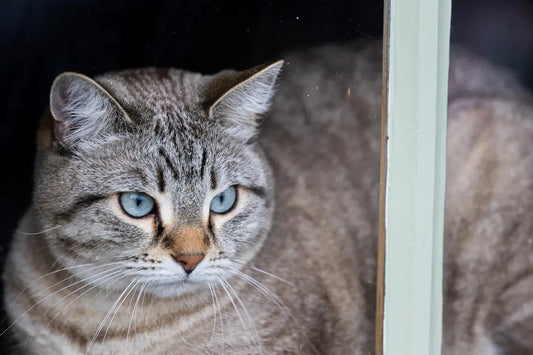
412,177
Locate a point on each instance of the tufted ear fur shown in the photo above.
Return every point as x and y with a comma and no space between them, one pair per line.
241,97
82,110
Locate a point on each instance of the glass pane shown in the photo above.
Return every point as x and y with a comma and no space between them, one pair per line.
152,194
488,306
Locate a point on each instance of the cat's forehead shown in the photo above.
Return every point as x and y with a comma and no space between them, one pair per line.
161,92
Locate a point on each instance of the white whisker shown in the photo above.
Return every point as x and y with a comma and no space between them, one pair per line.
105,278
118,308
59,270
142,306
266,273
129,306
214,312
37,233
273,276
133,312
44,299
228,293
219,315
247,314
274,298
102,323
265,290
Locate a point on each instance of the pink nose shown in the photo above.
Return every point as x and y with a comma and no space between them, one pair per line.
189,262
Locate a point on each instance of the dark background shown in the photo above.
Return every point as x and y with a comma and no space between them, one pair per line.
42,38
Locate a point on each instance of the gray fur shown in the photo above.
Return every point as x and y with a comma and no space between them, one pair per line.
182,138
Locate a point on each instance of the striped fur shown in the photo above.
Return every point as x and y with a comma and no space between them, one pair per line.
299,278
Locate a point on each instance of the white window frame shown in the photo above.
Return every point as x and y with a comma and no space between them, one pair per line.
414,111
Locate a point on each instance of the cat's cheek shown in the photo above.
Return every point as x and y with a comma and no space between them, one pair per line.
146,224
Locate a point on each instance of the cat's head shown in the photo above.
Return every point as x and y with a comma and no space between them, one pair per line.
154,176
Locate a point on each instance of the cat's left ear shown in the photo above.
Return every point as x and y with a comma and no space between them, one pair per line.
242,97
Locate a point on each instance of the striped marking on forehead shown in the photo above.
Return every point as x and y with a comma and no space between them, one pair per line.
161,183
213,180
169,163
202,164
187,160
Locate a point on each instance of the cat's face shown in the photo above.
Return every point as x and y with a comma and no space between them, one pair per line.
156,180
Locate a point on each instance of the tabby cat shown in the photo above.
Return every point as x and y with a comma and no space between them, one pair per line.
156,228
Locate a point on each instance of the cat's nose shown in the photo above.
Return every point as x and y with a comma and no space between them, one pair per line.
189,261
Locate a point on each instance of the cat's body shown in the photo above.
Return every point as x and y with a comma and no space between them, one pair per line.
315,270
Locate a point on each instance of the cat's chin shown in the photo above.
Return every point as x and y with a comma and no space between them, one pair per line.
176,289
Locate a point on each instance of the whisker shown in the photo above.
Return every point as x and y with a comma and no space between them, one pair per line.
221,282
142,305
59,270
118,308
266,273
214,312
274,298
129,305
247,314
44,299
266,291
273,276
105,278
36,233
111,309
133,312
80,273
219,315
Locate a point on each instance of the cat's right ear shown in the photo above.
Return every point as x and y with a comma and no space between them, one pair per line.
82,110
240,98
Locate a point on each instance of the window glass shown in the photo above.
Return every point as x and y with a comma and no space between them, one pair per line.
488,279
310,288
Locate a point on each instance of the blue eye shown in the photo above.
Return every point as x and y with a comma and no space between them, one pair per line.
224,201
136,204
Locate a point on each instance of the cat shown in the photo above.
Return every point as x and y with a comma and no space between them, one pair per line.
173,214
